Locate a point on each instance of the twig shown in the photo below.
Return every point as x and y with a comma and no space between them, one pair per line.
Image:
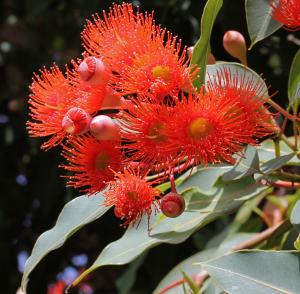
283,111
281,184
257,239
198,279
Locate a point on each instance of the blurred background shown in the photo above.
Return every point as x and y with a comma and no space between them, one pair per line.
36,33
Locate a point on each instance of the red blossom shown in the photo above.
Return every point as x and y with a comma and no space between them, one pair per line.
118,36
51,98
91,163
249,94
131,196
145,130
207,129
160,70
287,12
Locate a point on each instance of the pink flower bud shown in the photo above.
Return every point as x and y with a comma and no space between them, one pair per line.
111,99
104,128
93,70
172,205
76,121
235,44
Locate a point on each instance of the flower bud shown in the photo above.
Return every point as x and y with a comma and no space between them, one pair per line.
76,121
104,128
211,57
172,205
111,99
93,70
235,44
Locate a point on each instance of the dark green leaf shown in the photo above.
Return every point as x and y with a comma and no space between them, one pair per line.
202,47
260,22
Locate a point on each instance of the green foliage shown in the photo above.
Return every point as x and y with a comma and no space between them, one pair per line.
74,215
259,20
255,271
294,80
202,47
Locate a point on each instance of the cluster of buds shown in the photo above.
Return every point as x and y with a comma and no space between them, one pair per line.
128,110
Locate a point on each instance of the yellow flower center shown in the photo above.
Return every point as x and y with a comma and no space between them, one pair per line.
199,128
162,72
102,161
156,132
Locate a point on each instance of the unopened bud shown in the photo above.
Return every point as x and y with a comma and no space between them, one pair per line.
172,204
104,128
235,44
93,70
111,99
211,57
76,121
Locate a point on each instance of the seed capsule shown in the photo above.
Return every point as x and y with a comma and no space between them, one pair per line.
172,205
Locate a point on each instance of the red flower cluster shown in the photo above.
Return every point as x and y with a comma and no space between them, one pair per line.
162,123
288,13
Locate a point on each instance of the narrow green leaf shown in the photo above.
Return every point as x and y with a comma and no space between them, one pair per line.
260,22
274,164
76,213
297,243
191,283
294,80
202,48
255,271
246,166
266,152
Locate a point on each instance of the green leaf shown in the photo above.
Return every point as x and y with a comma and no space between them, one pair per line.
266,152
202,208
294,80
191,283
274,164
238,69
202,47
295,216
75,214
133,243
219,249
255,271
246,166
260,22
297,243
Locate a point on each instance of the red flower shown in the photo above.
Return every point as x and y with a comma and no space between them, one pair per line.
288,13
51,98
207,129
119,36
250,94
132,197
161,69
145,130
92,163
